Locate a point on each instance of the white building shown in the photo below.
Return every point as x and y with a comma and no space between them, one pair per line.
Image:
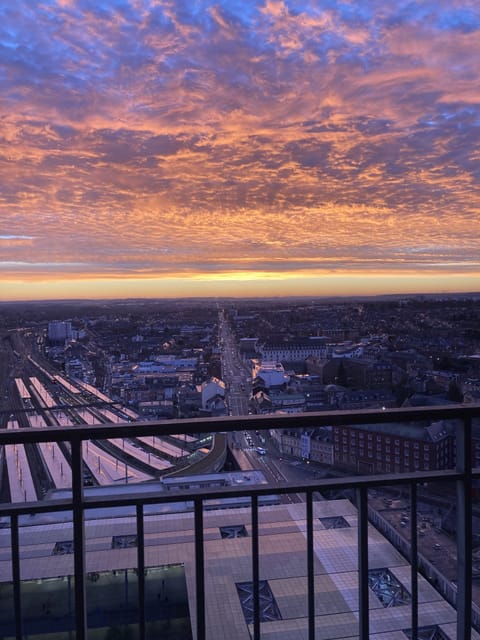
294,350
212,391
272,373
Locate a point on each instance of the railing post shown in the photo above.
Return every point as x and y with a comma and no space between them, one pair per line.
199,569
310,568
79,540
255,570
141,571
414,558
363,590
464,530
17,598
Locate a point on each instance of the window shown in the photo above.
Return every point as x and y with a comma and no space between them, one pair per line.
62,548
432,633
234,531
124,542
334,522
269,609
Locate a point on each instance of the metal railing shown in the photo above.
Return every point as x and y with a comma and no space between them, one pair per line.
463,476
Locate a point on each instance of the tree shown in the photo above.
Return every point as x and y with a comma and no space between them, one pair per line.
454,392
341,377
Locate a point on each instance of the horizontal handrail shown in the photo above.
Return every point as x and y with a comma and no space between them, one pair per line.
207,493
237,423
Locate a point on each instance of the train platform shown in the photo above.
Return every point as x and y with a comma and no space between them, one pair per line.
124,445
20,478
164,448
57,465
107,469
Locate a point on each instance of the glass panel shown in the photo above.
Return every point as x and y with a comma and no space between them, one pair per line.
46,570
166,603
47,606
112,602
167,611
6,609
111,565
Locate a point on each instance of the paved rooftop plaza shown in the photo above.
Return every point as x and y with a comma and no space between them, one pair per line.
170,582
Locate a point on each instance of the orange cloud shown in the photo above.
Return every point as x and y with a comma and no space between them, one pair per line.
163,143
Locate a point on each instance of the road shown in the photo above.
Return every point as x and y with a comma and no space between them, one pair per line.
235,373
244,444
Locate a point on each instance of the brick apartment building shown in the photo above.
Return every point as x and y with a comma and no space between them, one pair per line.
394,448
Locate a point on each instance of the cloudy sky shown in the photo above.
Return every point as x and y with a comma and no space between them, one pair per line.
233,147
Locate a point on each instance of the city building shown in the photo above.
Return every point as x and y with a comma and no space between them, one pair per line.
59,331
269,374
315,445
213,396
294,350
397,448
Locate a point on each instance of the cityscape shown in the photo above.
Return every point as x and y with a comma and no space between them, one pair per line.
193,362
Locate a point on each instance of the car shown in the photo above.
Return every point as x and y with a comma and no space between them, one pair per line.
261,451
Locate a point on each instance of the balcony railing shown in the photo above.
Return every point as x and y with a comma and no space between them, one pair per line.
463,476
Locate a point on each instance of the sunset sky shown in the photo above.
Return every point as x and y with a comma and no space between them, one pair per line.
231,147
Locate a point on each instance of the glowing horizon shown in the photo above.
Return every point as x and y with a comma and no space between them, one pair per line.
346,285
201,147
